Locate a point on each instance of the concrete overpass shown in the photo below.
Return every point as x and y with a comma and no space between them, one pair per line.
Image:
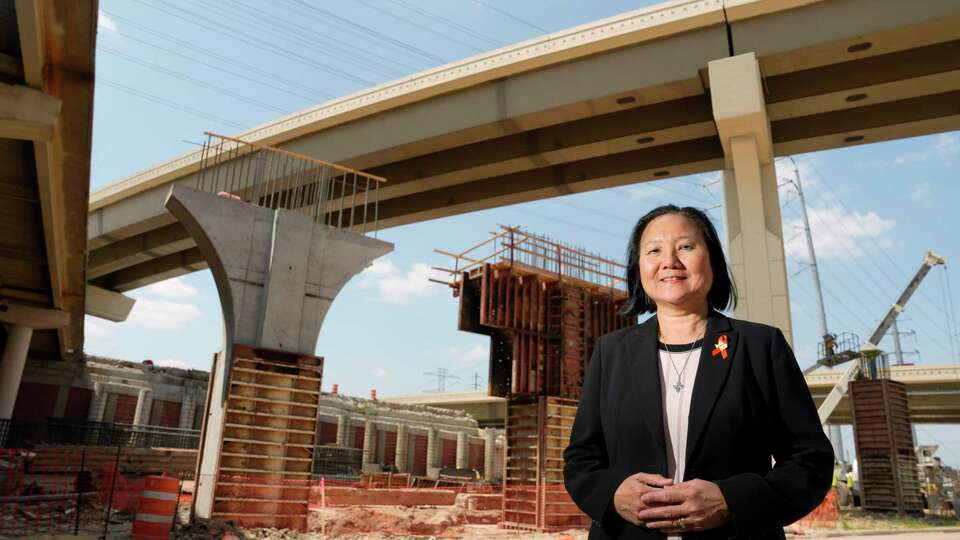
933,396
683,87
46,115
933,392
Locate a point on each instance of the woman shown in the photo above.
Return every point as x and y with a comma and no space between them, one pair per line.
679,417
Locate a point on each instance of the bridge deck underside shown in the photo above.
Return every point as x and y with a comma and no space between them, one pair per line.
619,117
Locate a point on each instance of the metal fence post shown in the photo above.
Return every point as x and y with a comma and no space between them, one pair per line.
79,486
113,483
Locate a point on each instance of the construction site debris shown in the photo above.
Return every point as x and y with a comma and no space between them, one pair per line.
204,529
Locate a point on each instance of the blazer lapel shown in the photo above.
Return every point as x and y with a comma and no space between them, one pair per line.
642,387
712,373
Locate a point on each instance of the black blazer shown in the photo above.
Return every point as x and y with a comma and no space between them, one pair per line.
745,409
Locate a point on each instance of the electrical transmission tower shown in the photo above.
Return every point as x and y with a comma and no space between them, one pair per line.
441,375
476,381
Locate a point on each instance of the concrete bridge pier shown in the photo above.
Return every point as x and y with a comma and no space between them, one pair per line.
19,322
751,198
751,201
277,272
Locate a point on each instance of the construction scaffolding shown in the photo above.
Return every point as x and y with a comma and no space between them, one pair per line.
543,304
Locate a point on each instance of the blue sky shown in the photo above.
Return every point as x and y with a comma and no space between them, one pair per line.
168,71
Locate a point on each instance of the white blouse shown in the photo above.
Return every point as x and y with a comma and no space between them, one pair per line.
676,407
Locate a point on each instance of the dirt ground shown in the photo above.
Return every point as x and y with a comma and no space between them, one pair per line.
395,523
381,523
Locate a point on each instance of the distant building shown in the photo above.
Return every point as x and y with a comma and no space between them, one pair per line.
415,438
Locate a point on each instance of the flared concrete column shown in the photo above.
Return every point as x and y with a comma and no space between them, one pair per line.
11,367
751,201
342,430
141,416
463,450
400,459
277,273
489,454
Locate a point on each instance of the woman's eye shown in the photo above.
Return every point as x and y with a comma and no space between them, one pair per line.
652,251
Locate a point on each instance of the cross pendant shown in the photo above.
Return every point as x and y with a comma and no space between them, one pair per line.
678,386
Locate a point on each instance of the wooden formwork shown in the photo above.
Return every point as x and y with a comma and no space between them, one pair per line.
269,434
534,497
542,327
885,446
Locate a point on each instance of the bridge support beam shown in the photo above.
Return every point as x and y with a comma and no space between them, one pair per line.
751,201
277,272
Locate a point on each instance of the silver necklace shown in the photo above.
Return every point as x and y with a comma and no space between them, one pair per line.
679,386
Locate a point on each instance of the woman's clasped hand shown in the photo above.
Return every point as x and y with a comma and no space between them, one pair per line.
654,501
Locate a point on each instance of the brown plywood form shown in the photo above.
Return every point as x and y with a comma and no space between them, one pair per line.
543,304
534,498
885,446
269,433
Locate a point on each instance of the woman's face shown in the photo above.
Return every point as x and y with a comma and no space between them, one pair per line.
674,263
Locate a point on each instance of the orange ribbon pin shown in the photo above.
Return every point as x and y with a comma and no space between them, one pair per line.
720,347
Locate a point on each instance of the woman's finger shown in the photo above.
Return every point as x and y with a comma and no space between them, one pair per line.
654,479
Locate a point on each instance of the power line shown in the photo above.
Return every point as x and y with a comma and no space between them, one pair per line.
418,25
849,290
310,38
238,35
511,16
207,52
212,66
203,84
167,103
570,223
465,29
897,289
893,263
441,375
370,32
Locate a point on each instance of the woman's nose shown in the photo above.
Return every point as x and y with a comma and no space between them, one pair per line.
670,259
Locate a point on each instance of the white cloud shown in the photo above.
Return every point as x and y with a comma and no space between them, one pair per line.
380,372
174,288
945,146
396,286
173,362
920,192
838,234
160,307
104,21
95,330
162,314
471,355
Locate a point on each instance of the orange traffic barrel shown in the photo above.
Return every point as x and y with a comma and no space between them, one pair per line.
158,504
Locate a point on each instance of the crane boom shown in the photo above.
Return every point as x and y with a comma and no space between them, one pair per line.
833,398
929,261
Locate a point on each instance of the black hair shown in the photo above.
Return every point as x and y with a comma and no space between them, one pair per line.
723,291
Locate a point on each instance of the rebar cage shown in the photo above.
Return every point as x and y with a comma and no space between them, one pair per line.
518,247
275,178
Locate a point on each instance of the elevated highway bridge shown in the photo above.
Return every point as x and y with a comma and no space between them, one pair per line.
933,396
687,86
